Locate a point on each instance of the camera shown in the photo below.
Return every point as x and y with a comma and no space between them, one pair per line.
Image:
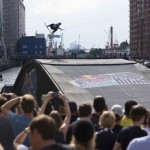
56,102
55,94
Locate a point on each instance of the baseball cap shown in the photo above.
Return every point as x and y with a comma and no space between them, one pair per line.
118,110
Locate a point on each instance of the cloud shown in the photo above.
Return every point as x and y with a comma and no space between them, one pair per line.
65,7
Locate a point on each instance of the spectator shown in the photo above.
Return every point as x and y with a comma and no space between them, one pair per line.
60,137
6,129
85,111
119,112
84,135
99,106
126,120
142,143
20,122
105,138
74,110
128,133
62,125
146,125
42,131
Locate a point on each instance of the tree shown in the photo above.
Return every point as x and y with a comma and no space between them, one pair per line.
124,45
95,52
81,52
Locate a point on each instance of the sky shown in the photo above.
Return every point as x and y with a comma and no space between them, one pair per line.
84,21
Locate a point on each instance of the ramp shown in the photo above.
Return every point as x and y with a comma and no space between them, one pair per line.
80,80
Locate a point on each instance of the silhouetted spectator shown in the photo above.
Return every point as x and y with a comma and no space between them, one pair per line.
62,125
84,135
142,143
105,138
6,129
146,124
119,112
126,120
99,106
128,133
74,110
42,132
20,122
84,112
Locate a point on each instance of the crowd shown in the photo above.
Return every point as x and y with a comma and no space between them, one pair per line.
24,126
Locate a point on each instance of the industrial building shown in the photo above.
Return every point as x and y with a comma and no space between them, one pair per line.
32,46
13,21
140,29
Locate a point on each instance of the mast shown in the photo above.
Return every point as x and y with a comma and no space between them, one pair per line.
111,35
79,43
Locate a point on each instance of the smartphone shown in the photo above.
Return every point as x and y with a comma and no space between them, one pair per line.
55,94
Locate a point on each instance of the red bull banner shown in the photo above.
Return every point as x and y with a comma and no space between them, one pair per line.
112,79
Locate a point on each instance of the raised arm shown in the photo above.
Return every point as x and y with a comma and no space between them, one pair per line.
8,105
66,123
21,137
46,99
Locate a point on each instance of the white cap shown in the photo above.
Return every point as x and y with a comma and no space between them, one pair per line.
118,109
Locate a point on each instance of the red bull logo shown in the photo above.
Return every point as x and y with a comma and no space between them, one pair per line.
88,77
103,80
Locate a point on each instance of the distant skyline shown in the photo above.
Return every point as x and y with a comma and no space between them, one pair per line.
87,18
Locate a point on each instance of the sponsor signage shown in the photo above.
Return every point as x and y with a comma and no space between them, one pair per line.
105,80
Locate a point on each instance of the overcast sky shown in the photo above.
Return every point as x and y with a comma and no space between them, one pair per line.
87,18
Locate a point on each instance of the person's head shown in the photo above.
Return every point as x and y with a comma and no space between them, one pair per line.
28,103
85,110
107,120
128,106
3,100
99,104
42,129
138,113
118,111
147,119
73,107
57,117
84,135
74,110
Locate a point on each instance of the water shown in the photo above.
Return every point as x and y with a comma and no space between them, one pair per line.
9,76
